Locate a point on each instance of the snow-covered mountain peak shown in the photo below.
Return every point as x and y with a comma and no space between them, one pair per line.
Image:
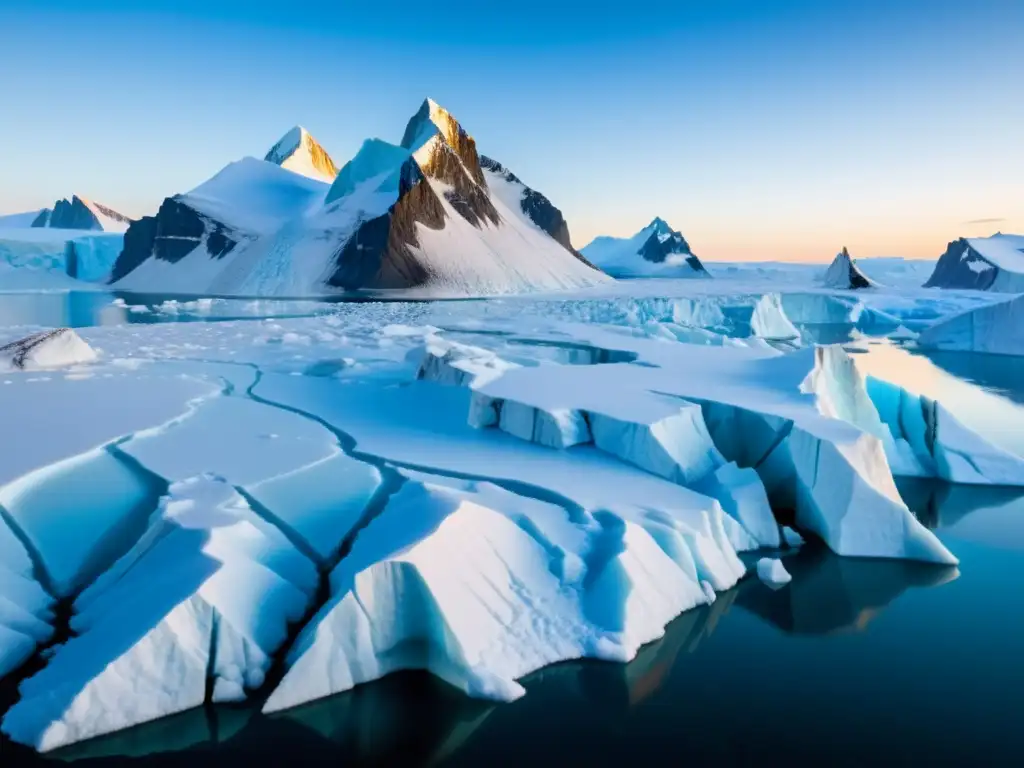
300,153
434,120
657,249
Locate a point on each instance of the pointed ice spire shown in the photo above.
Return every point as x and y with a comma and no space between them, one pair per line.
844,274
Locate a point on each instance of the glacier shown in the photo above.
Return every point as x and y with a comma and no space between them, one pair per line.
56,259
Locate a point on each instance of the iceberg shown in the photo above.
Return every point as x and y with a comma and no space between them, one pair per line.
996,329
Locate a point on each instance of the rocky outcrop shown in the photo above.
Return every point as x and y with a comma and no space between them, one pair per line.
961,266
665,242
536,207
79,213
175,231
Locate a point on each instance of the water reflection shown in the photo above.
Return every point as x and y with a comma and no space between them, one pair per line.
1001,374
831,594
202,727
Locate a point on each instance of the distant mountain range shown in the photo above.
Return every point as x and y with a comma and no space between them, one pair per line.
77,213
428,215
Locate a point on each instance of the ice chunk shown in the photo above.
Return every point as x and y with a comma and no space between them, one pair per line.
772,572
48,349
449,362
199,603
793,539
322,502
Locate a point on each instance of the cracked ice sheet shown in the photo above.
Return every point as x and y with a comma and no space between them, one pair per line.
426,429
202,602
481,587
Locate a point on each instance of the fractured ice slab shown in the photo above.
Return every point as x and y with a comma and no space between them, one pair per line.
193,612
80,514
471,585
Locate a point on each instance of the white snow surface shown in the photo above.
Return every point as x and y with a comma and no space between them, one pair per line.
1004,251
19,220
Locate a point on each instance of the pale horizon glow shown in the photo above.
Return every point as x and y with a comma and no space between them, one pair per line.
780,133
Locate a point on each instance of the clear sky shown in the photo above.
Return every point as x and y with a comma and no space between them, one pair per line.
763,129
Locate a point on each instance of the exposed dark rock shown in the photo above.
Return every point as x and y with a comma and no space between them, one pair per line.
75,214
953,269
538,209
17,351
467,197
175,231
378,255
664,242
451,131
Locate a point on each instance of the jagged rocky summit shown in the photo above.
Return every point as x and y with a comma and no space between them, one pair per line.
80,213
657,250
844,274
428,215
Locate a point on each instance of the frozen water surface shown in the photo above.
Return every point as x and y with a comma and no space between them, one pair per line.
281,507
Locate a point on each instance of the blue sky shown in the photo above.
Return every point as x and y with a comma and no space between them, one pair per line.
762,129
